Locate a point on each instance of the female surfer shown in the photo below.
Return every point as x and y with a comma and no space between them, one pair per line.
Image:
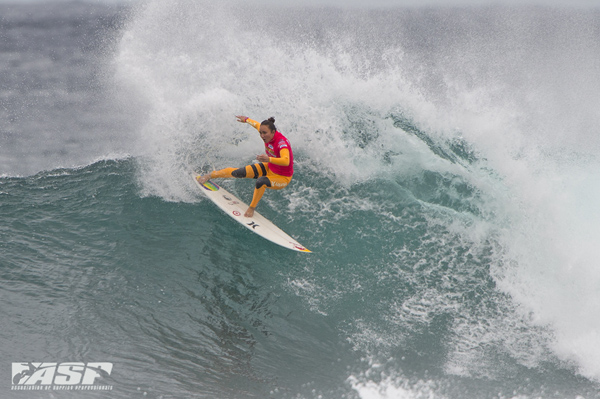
275,168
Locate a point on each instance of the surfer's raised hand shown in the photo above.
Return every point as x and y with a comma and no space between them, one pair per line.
241,118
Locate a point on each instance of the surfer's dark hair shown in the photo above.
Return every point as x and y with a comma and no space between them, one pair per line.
270,123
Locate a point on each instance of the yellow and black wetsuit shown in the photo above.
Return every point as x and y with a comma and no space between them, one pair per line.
275,174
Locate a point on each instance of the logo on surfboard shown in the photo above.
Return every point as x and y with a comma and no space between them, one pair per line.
231,201
210,186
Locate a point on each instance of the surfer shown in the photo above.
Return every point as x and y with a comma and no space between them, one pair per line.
274,169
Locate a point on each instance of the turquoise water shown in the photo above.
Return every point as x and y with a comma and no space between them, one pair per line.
451,212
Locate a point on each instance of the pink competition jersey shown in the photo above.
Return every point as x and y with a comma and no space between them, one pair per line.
273,149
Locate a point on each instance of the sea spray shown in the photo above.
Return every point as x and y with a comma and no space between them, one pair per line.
438,135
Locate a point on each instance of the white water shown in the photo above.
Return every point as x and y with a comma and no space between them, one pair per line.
539,130
521,87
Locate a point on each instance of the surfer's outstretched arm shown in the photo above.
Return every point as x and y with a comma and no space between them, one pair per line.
245,119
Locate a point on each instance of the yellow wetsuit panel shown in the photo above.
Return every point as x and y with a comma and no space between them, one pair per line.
284,160
254,123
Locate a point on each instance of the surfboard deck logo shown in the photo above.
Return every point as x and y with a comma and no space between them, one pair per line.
210,186
258,224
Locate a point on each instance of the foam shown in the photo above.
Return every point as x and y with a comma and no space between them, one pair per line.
193,65
537,134
376,383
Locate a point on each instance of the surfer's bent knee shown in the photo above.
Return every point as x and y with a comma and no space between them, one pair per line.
239,173
263,181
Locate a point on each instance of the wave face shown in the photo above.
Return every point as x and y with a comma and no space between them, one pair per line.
446,181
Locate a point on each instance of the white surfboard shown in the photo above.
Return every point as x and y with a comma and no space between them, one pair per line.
257,223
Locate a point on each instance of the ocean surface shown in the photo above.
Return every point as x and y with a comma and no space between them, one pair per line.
447,181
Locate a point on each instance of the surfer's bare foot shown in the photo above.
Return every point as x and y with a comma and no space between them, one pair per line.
250,212
203,179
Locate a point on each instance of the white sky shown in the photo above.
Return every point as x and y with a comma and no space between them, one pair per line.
377,3
412,3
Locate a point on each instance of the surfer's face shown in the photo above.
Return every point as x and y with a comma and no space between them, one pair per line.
266,134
